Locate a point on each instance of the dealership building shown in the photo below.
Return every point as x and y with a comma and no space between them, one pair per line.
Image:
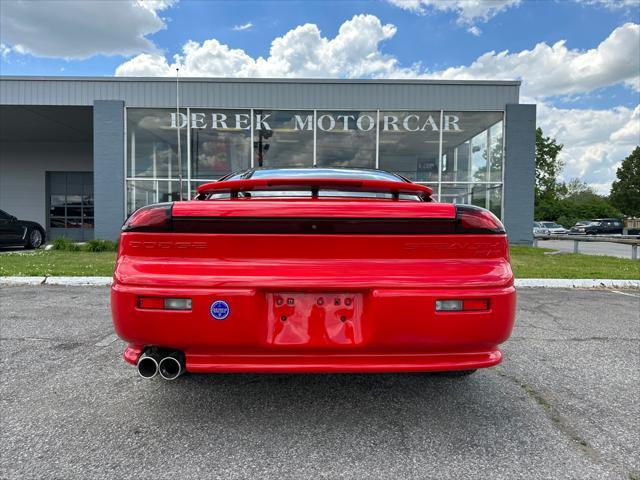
79,154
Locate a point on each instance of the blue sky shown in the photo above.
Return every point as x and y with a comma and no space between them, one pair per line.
586,88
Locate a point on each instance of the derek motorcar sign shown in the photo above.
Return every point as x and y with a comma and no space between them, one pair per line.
325,122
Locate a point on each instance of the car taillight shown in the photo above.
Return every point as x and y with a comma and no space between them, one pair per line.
471,219
152,218
160,303
468,305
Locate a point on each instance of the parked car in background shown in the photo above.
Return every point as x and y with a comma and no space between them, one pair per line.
582,223
539,231
14,232
554,228
598,226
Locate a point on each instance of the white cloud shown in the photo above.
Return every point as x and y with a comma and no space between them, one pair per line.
474,30
630,132
76,30
613,4
557,70
468,11
302,52
245,26
4,50
595,141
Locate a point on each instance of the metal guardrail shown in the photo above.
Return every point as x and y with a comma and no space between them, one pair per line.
632,240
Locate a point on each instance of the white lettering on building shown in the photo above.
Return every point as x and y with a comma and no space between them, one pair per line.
406,123
430,122
261,124
345,120
371,123
390,122
183,120
451,122
412,122
197,120
218,120
300,124
321,123
243,121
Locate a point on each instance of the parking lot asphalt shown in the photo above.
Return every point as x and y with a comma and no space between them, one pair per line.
563,404
589,248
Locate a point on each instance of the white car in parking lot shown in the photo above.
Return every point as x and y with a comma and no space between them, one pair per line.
554,228
539,231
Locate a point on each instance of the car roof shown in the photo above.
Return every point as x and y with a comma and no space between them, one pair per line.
352,173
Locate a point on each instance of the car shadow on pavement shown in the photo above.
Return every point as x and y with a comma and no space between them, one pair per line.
366,403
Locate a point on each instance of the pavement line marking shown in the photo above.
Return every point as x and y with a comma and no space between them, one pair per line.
625,293
108,340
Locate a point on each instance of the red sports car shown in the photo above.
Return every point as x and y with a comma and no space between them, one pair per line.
312,270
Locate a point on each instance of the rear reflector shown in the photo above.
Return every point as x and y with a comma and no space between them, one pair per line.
159,303
469,305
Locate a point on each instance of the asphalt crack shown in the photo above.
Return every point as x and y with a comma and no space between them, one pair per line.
563,425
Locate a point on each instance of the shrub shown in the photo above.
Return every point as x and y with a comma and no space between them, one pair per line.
101,246
66,245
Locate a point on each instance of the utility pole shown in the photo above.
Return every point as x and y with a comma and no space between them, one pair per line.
178,125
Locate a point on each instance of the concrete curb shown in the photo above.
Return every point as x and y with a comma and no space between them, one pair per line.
22,280
520,283
70,281
93,281
575,283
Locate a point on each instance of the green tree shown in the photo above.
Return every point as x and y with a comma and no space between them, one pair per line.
574,201
574,188
548,167
625,191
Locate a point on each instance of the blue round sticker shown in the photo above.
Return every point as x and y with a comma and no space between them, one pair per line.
219,310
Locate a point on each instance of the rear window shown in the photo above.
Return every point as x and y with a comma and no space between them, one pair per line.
356,174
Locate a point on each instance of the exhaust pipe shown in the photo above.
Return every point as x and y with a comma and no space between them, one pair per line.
148,364
172,366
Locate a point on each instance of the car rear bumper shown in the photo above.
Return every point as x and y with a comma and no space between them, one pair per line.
353,363
385,330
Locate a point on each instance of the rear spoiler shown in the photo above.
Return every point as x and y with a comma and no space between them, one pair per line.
315,184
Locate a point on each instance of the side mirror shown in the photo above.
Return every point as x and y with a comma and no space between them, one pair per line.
13,219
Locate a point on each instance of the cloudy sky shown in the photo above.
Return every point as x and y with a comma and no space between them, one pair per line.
579,60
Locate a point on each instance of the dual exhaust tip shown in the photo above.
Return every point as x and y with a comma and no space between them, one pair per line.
170,366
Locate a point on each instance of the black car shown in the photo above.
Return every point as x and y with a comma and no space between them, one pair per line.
20,232
598,226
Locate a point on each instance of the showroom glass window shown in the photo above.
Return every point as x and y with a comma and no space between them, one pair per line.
409,144
472,159
220,142
346,138
457,153
472,147
152,155
283,138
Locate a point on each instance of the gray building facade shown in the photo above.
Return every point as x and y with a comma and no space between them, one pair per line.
79,154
